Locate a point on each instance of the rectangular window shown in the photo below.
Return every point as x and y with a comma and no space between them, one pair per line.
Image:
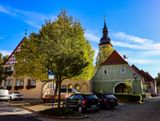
105,72
19,83
8,82
123,70
31,82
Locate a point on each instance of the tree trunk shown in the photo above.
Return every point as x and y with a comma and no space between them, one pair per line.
59,94
56,89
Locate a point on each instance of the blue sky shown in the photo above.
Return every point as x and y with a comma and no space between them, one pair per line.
133,25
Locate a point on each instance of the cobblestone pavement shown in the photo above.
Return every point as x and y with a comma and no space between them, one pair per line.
148,111
6,109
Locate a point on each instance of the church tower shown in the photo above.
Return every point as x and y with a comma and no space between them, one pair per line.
105,47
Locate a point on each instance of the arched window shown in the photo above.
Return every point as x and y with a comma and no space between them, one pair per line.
77,87
70,86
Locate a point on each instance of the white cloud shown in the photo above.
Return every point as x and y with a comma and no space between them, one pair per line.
92,38
5,10
138,50
33,19
124,36
5,52
141,61
134,42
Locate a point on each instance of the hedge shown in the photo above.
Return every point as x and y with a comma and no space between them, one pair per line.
128,97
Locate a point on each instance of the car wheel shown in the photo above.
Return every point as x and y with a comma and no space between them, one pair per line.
64,105
10,98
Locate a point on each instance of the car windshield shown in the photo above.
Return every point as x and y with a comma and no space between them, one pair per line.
16,92
109,96
90,96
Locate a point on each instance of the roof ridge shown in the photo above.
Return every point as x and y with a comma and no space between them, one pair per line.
114,59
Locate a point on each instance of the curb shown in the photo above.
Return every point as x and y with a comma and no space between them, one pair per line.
84,116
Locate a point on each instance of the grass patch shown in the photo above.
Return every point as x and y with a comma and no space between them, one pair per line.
59,112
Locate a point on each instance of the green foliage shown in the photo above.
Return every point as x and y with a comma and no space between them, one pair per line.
128,97
1,68
104,52
60,46
158,80
2,60
128,82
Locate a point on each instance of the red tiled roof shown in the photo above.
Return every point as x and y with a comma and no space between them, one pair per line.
137,70
114,59
150,76
146,76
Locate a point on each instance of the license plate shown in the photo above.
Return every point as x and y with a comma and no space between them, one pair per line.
93,106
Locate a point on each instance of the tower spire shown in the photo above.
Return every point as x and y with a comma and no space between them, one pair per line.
105,21
105,39
105,30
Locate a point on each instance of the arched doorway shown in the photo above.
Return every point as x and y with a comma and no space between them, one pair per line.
70,86
122,88
84,88
77,87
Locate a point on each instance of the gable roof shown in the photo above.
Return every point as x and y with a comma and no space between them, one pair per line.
147,77
11,57
114,59
137,70
150,76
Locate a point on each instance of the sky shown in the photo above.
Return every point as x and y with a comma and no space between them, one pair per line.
134,25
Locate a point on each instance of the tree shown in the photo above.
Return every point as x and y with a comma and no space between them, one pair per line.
60,46
1,68
158,80
104,52
2,60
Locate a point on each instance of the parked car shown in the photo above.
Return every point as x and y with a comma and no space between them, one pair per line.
4,94
82,102
15,96
107,101
65,93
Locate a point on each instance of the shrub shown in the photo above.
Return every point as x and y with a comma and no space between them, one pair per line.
129,97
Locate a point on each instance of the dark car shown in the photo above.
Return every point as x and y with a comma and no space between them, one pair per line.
82,102
107,101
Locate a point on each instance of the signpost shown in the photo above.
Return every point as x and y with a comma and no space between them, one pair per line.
51,76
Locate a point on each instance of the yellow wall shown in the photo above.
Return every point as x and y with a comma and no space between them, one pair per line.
28,93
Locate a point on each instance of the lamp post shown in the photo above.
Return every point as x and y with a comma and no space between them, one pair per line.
51,76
